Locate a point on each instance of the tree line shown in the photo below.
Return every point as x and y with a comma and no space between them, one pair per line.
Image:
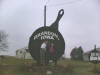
77,53
3,40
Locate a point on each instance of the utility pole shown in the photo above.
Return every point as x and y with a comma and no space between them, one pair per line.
45,16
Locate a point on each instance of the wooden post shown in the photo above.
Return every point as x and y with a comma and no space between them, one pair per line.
95,67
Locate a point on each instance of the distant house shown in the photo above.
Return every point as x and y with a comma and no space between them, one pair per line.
86,55
23,53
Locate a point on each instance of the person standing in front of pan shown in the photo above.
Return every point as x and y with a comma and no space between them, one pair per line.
43,52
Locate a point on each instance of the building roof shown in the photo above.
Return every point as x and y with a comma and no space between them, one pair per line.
88,52
98,49
21,49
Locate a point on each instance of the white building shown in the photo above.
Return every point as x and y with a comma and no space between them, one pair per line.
86,55
23,53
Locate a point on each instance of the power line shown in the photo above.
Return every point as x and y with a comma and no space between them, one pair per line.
65,3
45,6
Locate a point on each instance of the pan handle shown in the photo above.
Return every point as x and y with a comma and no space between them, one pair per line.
60,14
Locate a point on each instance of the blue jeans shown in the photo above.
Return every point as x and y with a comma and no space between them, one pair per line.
42,55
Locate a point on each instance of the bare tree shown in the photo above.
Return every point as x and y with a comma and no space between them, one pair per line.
3,41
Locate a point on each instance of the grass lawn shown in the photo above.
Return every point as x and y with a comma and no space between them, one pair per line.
13,66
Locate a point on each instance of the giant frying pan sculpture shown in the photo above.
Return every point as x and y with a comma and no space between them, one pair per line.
47,33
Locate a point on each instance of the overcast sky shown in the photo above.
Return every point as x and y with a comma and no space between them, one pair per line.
80,25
